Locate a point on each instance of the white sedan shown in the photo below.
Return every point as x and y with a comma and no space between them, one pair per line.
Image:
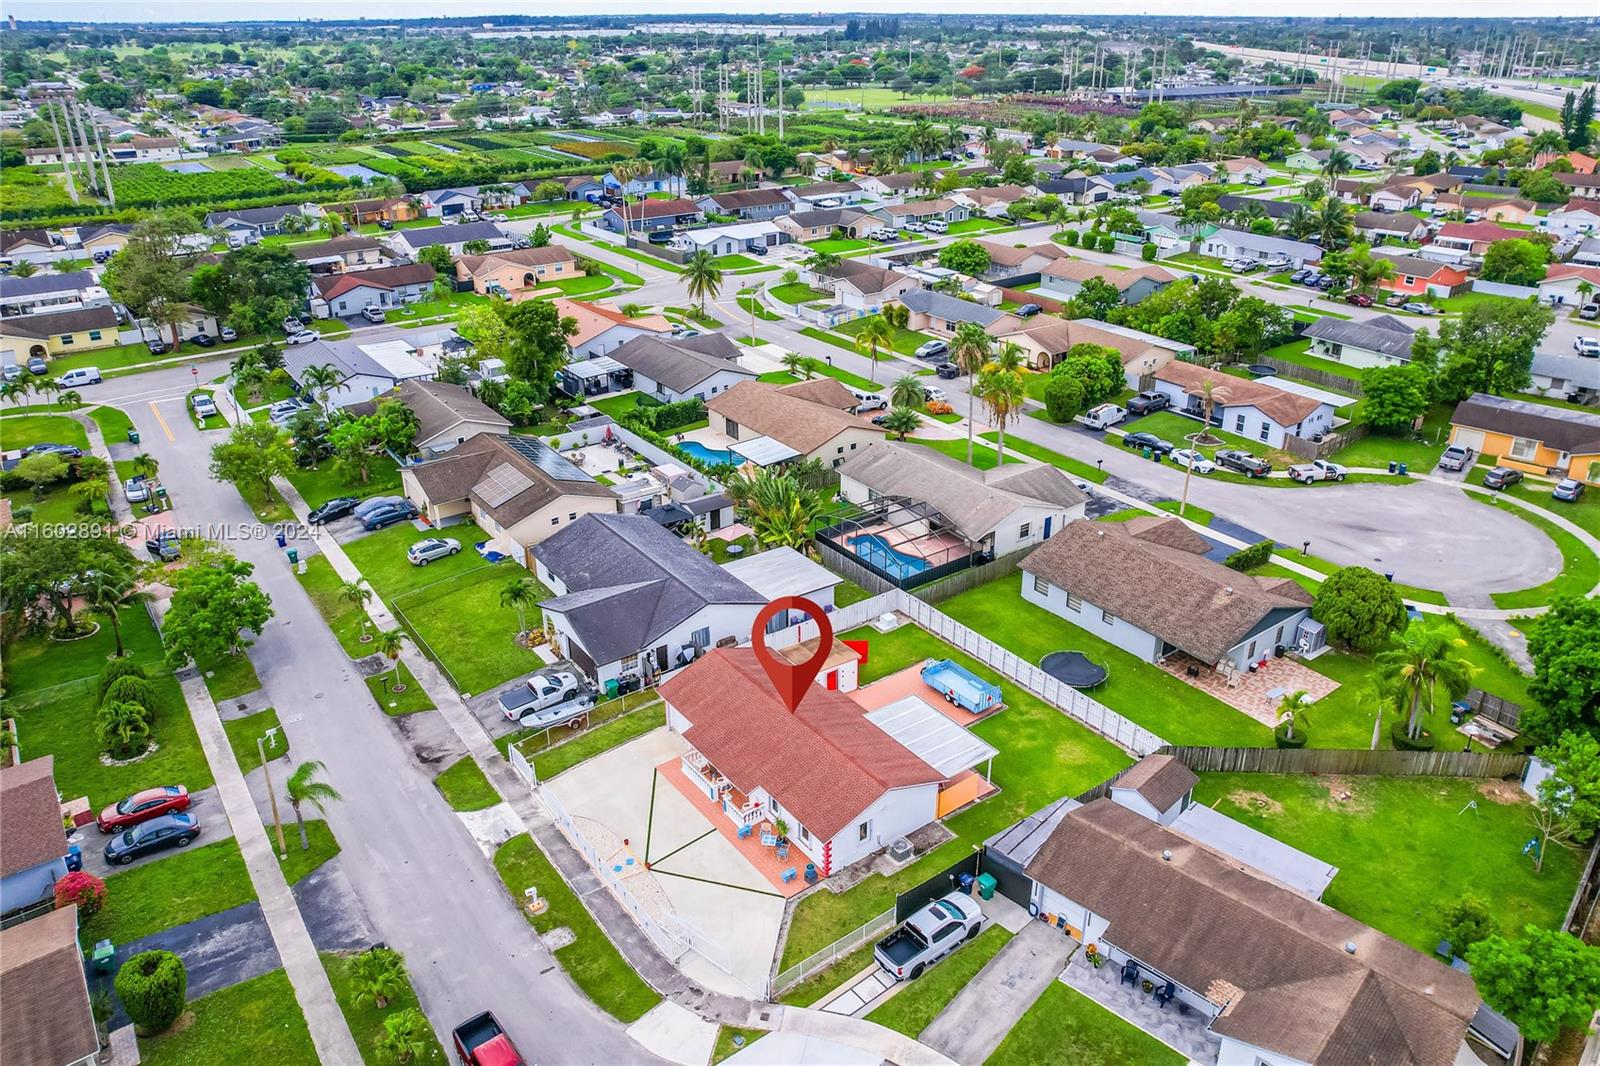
1193,460
305,336
1587,346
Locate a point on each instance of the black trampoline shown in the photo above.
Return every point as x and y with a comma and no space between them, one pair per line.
1073,668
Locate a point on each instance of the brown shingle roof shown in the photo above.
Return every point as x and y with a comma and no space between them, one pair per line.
1008,255
45,1017
329,286
829,392
437,405
522,257
1285,408
474,469
826,763
31,832
1160,779
1275,961
1155,576
349,242
743,198
866,278
769,410
1080,271
659,209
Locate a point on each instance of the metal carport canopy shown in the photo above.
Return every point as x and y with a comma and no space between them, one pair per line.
763,451
930,736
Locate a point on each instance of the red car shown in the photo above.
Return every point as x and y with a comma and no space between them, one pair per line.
1360,299
142,806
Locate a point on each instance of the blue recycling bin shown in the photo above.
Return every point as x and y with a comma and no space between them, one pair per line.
1402,470
964,881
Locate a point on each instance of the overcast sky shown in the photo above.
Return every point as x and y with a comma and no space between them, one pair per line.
209,11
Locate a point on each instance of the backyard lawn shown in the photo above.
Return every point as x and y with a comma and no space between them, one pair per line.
464,787
1043,755
200,880
915,1006
1406,847
1173,710
617,406
22,431
1419,451
591,960
1298,353
327,481
257,1020
1065,1026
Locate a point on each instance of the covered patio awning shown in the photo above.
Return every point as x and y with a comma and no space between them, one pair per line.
763,451
592,368
1306,874
930,736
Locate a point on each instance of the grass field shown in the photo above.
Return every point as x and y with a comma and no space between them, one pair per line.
244,732
1064,1026
906,341
602,738
393,703
982,458
464,787
1580,568
346,619
871,97
257,1020
297,862
914,1007
22,431
366,1019
328,480
199,880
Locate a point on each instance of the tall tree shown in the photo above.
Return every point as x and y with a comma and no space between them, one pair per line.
1003,390
1566,670
876,334
702,278
1489,348
1544,981
212,606
970,352
253,454
1426,659
304,789
254,287
150,275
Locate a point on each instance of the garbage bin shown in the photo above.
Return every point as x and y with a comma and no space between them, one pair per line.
611,689
1402,470
104,956
133,436
964,882
1393,466
1147,453
986,886
283,541
294,556
74,858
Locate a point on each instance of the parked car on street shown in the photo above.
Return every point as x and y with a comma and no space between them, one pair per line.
1568,491
1104,416
388,515
1501,477
143,806
480,1041
83,375
426,551
158,834
1317,470
305,336
948,371
1147,440
930,934
1243,463
1359,299
1589,346
1456,457
1188,457
204,406
932,349
337,507
1396,300
1146,402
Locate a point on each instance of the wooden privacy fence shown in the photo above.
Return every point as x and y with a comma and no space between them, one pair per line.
1360,761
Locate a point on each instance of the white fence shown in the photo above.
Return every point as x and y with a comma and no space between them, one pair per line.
669,932
832,953
519,763
1500,288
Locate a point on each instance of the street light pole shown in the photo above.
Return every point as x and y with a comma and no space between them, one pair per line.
283,849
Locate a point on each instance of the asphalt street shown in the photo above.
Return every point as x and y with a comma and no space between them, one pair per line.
427,888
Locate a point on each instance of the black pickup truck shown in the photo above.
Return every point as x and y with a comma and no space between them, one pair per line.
1243,462
480,1041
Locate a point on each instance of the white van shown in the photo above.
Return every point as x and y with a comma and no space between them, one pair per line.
84,375
1103,417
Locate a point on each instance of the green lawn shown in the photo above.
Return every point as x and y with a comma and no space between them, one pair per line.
1585,513
752,305
257,1020
114,424
229,676
22,431
906,341
798,293
1065,1026
1406,847
464,627
1580,567
736,262
366,1019
300,862
415,698
1298,353
215,421
977,225
848,592
381,558
982,458
1043,755
464,787
617,406
346,619
244,732
39,662
591,960
200,880
1419,451
835,246
915,1006
1075,467
600,739
327,481
581,286
725,1041
1144,693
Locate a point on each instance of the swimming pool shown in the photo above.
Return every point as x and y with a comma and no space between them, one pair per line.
875,550
707,455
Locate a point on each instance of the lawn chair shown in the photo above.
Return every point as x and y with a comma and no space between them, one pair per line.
1164,995
1130,973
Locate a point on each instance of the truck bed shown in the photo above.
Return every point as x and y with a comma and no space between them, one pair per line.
900,946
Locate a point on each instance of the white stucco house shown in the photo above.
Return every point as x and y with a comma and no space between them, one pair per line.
1254,410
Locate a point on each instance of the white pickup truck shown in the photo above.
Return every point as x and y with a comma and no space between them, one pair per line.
929,935
538,692
1317,470
1456,457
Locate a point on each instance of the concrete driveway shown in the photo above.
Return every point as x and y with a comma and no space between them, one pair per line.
610,799
204,805
972,1026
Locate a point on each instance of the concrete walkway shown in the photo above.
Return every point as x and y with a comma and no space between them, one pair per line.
329,1031
972,1026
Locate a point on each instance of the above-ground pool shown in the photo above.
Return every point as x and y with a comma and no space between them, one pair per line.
875,550
707,455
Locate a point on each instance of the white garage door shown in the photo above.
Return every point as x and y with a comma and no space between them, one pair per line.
1471,438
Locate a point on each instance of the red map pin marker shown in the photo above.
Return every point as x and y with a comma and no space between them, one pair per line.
791,680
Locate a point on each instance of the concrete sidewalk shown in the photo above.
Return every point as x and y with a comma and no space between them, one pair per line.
972,1026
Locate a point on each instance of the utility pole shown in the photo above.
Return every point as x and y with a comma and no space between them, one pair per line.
283,849
75,114
72,190
780,99
105,170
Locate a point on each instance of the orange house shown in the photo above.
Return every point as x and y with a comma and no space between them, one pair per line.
1530,436
1415,276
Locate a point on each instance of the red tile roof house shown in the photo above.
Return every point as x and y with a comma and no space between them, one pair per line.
1472,238
1416,277
340,295
842,782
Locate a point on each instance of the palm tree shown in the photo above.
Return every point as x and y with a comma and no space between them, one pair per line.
389,644
303,787
1289,711
907,392
820,262
795,363
24,269
519,593
970,352
1585,290
319,381
897,315
1301,223
105,592
406,1035
702,277
89,492
902,421
145,465
251,375
1338,162
626,171
876,334
1425,659
357,595
1003,391
1333,223
71,399
377,975
14,391
781,511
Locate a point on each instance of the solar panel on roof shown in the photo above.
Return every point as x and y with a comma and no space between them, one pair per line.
501,484
546,458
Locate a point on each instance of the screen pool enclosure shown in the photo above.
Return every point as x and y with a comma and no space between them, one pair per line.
905,542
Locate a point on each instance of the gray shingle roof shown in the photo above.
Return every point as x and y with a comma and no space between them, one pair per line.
629,582
45,282
427,236
1369,336
679,366
950,308
1575,432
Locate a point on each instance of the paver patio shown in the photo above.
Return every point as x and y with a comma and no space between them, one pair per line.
1185,1031
1256,694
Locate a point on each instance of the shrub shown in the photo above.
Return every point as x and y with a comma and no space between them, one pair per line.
1070,238
938,407
1422,742
1249,558
1108,243
82,890
153,986
23,514
1148,252
1063,397
1281,738
1361,608
115,669
123,729
1467,921
130,689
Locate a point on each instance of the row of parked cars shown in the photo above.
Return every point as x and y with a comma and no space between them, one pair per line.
1461,457
373,513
